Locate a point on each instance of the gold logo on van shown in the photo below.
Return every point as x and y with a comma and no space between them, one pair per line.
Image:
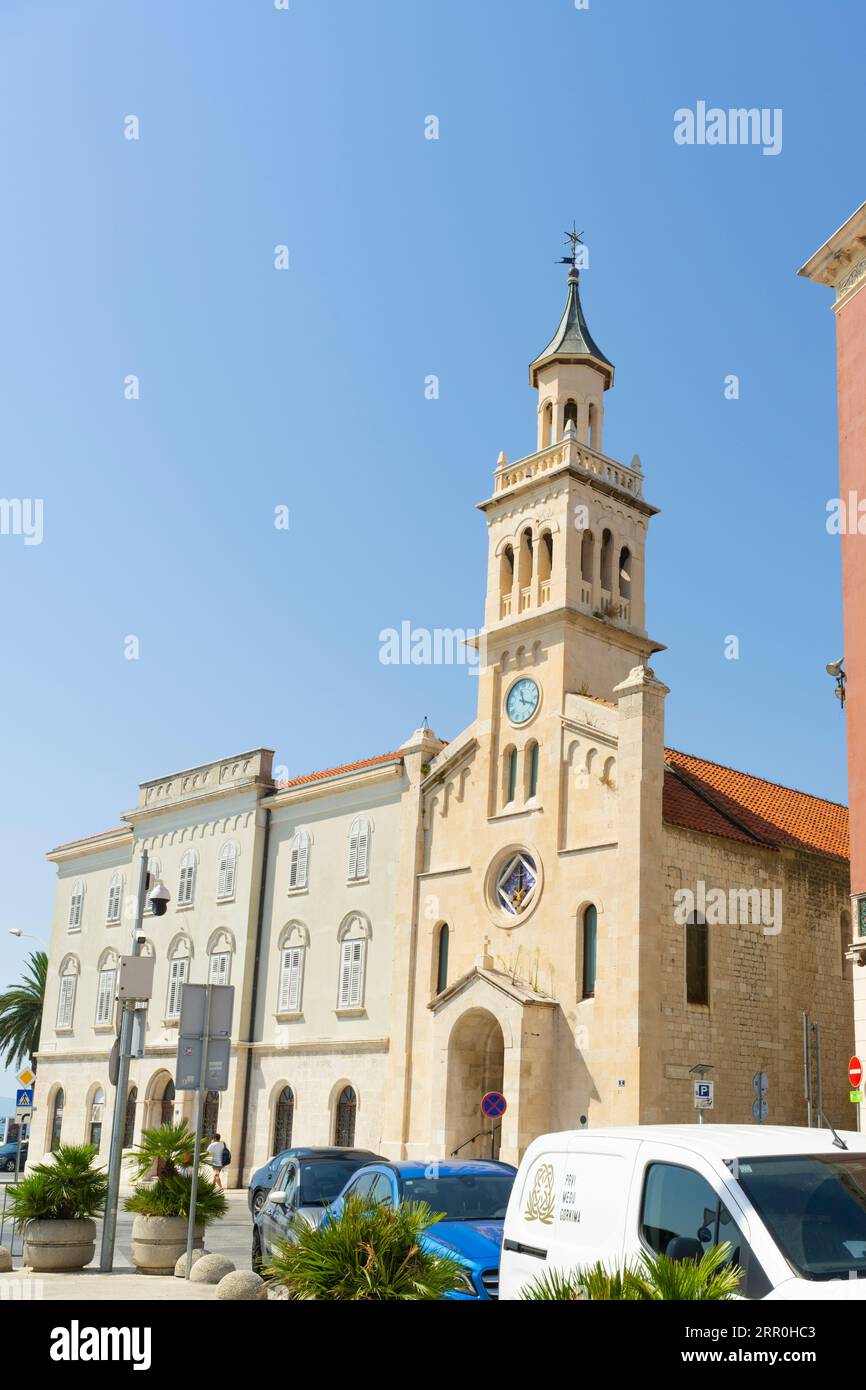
541,1203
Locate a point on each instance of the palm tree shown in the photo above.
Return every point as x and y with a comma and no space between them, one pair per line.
651,1279
21,1013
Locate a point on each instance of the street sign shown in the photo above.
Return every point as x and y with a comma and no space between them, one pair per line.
704,1095
26,1077
759,1110
493,1105
855,1072
759,1083
191,1049
23,1103
855,1097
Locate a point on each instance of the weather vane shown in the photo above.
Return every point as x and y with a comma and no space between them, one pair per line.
572,239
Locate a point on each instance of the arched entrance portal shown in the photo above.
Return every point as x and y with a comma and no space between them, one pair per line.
476,1052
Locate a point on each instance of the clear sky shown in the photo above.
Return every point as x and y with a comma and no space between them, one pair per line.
304,387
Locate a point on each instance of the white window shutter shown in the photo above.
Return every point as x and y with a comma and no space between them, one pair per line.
289,1001
176,981
115,895
298,862
228,860
66,1001
104,996
219,968
351,974
363,848
76,905
186,886
353,851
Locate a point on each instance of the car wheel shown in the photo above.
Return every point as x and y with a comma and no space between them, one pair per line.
256,1258
9,1165
259,1201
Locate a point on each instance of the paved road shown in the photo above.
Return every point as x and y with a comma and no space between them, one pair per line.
229,1236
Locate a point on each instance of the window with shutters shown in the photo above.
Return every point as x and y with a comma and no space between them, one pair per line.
291,980
186,882
66,1000
228,862
299,855
105,987
359,849
220,968
115,898
177,976
352,974
76,905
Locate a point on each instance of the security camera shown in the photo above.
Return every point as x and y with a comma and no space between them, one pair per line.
160,899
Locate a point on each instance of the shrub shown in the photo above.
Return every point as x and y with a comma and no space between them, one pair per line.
652,1278
68,1189
365,1256
169,1148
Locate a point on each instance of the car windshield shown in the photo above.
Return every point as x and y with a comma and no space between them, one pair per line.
323,1181
814,1206
462,1196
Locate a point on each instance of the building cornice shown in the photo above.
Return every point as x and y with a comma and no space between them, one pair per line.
327,786
841,262
92,844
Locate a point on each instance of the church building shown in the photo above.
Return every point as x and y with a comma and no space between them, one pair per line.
553,903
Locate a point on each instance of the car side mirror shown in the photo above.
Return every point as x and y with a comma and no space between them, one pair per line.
684,1248
279,1198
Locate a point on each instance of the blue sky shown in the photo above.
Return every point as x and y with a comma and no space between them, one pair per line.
305,387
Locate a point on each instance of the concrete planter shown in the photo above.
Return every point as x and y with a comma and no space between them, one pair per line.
159,1241
58,1245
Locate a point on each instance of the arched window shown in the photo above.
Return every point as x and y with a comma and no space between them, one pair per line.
570,414
115,898
228,863
509,775
592,426
179,954
524,577
586,544
186,882
290,989
359,848
344,1119
547,425
442,958
76,905
129,1119
530,758
545,557
210,1115
219,970
607,560
506,570
56,1120
284,1118
299,854
106,984
66,998
96,1107
625,572
590,950
697,960
353,936
166,1104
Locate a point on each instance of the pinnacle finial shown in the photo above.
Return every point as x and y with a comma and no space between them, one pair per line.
574,238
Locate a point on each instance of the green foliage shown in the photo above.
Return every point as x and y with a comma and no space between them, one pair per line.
652,1278
167,1149
367,1255
67,1189
171,1195
21,1013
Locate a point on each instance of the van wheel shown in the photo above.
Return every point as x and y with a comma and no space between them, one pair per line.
256,1258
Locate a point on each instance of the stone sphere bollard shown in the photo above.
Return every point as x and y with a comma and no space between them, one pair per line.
242,1286
180,1267
210,1269
5,1260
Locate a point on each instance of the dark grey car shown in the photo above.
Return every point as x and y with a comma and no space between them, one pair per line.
307,1182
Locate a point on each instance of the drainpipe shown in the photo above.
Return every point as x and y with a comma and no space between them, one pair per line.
254,994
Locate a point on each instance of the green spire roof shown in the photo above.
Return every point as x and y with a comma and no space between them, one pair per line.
572,340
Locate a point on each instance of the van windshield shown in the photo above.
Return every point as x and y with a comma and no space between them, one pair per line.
814,1206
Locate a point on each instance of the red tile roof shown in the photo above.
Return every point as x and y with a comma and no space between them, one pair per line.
707,796
103,835
339,771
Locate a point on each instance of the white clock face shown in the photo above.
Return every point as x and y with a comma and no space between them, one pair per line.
521,702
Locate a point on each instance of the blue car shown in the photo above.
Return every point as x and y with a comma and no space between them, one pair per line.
471,1195
264,1178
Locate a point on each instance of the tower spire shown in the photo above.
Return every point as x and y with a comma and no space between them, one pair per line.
572,342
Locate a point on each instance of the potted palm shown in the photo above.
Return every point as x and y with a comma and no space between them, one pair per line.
365,1256
161,1205
55,1205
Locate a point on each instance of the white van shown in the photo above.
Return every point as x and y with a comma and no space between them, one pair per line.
791,1203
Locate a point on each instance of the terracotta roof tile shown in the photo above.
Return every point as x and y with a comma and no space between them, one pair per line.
339,771
765,811
86,839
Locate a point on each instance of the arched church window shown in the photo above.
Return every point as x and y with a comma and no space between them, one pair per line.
284,1118
442,958
525,565
547,425
545,556
56,1120
531,757
590,950
697,960
509,789
570,414
129,1118
625,572
607,560
586,545
344,1119
592,426
506,570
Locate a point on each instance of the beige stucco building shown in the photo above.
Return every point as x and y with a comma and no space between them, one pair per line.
553,903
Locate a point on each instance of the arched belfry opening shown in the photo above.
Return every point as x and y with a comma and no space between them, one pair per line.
476,1060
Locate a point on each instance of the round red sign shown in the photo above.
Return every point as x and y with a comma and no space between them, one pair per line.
855,1071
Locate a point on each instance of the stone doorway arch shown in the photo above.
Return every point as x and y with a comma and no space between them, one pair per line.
476,1064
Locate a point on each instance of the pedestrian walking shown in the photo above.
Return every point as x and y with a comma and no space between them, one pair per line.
220,1158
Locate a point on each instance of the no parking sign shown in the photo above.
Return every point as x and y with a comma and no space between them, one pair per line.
493,1105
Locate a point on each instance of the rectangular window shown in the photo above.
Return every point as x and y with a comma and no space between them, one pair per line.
104,996
291,966
220,968
66,1001
697,963
115,893
533,770
185,886
512,774
176,981
352,975
76,908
